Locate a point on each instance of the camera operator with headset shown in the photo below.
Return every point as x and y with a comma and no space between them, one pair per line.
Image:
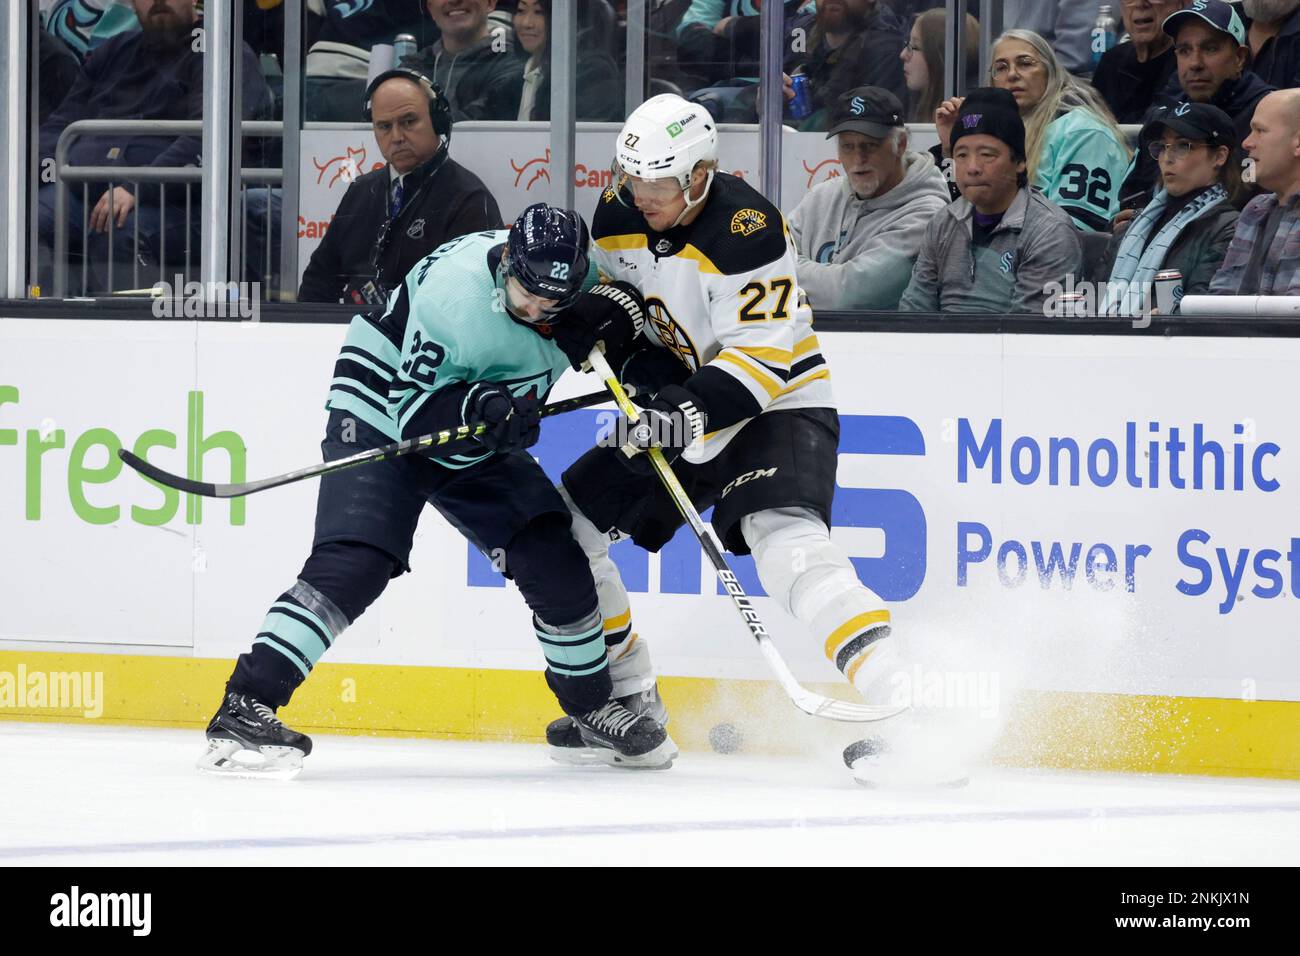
393,217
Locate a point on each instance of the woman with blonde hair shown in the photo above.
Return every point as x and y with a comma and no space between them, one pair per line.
1076,154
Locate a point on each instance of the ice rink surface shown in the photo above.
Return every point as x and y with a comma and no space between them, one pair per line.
123,796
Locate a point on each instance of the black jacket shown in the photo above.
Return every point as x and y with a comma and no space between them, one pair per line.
127,78
1278,62
1197,252
59,69
1130,87
1238,98
869,58
443,200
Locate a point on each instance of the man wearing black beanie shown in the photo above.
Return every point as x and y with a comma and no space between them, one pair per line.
998,247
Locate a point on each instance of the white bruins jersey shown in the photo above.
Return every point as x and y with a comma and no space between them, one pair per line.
721,293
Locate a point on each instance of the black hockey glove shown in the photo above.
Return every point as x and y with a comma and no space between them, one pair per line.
651,368
610,314
513,422
673,419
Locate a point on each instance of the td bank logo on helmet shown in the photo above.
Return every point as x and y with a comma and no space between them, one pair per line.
675,129
896,573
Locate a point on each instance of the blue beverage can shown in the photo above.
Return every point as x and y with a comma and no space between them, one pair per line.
801,105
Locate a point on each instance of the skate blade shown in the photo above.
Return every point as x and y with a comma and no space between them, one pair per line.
661,758
230,758
574,756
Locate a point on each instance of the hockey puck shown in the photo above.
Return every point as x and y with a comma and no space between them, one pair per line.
862,748
725,738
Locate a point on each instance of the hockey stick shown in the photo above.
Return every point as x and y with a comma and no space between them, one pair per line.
382,453
804,699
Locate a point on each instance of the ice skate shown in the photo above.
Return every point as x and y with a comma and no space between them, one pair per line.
618,736
246,739
564,740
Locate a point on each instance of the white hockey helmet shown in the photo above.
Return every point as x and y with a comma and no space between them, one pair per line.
666,136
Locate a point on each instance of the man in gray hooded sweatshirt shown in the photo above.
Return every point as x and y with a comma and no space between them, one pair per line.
475,62
857,235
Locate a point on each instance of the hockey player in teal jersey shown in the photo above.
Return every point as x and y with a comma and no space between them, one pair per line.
477,334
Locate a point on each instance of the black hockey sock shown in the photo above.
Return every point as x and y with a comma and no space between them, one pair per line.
339,581
555,579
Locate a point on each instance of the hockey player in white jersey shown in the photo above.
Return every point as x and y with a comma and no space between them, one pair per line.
741,395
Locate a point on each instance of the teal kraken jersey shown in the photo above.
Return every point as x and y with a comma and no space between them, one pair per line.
1081,168
445,325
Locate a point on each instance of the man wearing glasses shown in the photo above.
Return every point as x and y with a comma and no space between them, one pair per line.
1131,74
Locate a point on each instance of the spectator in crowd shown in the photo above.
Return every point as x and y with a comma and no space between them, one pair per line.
724,65
475,61
600,89
1273,32
713,15
391,218
997,248
726,52
1077,155
1210,44
59,67
857,235
1189,223
850,43
1132,73
153,73
1264,256
1066,26
365,24
922,58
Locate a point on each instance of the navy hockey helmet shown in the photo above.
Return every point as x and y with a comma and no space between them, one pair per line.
547,252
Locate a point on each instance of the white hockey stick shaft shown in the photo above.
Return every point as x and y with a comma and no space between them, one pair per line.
804,699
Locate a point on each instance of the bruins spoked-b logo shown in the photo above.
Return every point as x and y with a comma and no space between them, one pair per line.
747,222
672,335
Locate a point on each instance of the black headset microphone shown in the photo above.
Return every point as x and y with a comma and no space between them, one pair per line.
375,292
439,108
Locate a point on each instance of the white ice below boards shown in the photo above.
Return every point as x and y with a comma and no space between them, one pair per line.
480,803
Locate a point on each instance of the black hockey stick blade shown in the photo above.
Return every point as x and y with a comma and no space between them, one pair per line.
450,436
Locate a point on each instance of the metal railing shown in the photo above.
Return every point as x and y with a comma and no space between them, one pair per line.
66,174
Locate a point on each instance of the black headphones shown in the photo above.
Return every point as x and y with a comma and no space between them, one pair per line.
439,108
